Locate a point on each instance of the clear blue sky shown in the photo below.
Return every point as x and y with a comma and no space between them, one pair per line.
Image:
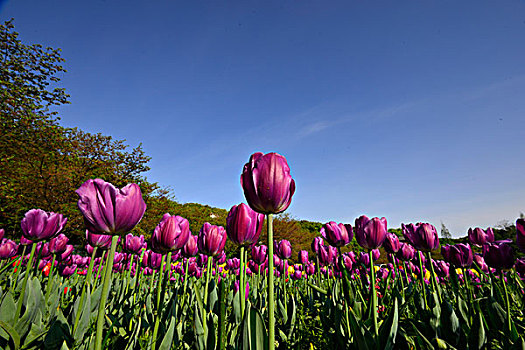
412,110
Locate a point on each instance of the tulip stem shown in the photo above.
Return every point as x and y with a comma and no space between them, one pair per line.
105,292
422,277
19,267
373,295
50,278
242,284
271,302
84,286
186,265
433,278
205,304
502,276
24,284
158,307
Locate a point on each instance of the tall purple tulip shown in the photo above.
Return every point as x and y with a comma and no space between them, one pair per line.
190,249
422,236
8,249
267,183
317,242
459,255
406,252
211,239
283,249
101,241
133,244
479,236
244,225
259,254
171,234
58,244
109,210
337,235
370,233
391,243
303,257
38,225
499,255
520,234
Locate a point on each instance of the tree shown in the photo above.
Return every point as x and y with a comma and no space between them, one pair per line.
445,233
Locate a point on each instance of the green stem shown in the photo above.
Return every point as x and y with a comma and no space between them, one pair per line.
433,277
186,277
242,284
374,294
158,307
205,304
87,281
24,284
422,278
19,267
105,292
502,276
50,278
271,301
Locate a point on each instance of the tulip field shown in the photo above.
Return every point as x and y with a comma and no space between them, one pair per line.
178,290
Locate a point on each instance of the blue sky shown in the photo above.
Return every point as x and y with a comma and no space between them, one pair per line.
412,110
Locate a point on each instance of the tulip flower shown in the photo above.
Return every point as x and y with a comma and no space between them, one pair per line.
520,267
66,253
391,243
442,268
134,244
67,270
406,252
243,225
283,249
459,255
109,210
520,234
24,241
478,259
370,233
2,232
190,249
101,241
211,239
58,244
8,249
259,254
172,233
317,242
303,257
478,237
422,236
498,255
38,225
267,183
337,235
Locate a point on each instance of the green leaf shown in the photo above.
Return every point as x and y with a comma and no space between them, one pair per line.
388,331
8,308
168,337
83,322
12,333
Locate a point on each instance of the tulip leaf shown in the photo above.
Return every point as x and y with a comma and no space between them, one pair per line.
83,322
477,336
388,331
7,308
168,337
253,334
359,333
12,334
450,327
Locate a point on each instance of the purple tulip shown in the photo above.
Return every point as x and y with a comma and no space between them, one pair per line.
212,239
370,233
520,234
317,242
303,257
220,258
109,210
8,249
478,259
337,235
283,249
101,241
66,253
236,285
154,260
244,225
233,264
441,268
67,270
44,250
276,261
38,225
459,255
406,252
190,249
58,244
25,241
391,243
478,237
347,262
310,269
327,255
259,254
520,267
297,275
2,232
171,234
118,257
422,236
498,255
133,244
267,183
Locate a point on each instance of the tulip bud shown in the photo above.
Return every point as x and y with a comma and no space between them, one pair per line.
283,249
259,254
58,244
244,225
479,237
8,249
190,249
459,255
303,257
337,235
422,236
171,234
391,243
498,255
38,225
211,239
370,233
133,244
